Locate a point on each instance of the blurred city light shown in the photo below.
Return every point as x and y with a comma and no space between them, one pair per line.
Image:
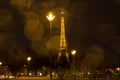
28,58
73,52
0,63
50,16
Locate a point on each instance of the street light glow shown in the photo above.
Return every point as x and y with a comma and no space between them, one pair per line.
118,69
28,58
0,63
73,52
50,16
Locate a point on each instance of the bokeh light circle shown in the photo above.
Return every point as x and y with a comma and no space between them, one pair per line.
33,28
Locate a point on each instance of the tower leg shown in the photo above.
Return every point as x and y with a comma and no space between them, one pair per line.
67,56
59,56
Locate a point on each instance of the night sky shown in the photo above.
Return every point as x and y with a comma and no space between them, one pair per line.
92,29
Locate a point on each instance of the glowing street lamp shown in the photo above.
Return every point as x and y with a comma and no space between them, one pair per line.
0,63
73,52
50,17
28,59
118,69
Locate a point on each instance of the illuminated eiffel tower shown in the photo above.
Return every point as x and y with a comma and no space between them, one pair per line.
63,51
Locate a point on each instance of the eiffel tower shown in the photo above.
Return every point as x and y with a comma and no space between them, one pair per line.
63,50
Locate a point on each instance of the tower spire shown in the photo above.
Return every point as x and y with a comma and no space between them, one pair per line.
63,46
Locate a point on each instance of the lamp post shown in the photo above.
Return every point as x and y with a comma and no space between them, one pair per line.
0,67
28,60
50,17
73,52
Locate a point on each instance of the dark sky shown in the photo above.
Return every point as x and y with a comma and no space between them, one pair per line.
92,28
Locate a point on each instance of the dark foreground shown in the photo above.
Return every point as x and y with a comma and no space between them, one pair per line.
59,78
